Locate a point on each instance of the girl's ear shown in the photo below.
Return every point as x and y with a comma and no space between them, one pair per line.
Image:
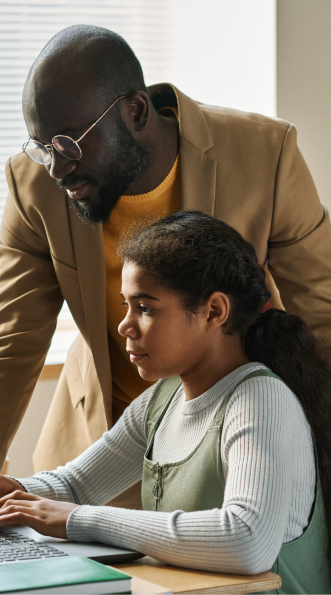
217,310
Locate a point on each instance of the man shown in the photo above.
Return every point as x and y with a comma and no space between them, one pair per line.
139,153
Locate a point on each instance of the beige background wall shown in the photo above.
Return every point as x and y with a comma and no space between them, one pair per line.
304,82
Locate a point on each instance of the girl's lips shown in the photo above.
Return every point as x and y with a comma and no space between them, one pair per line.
80,192
137,357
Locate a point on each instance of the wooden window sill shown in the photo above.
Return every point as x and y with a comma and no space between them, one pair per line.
51,371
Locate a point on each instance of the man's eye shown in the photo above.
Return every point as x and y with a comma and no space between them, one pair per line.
124,303
145,310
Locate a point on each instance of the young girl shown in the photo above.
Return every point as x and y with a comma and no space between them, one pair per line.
232,481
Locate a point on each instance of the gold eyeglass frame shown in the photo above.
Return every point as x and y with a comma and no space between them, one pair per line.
49,147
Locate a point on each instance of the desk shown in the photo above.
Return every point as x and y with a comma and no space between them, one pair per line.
181,580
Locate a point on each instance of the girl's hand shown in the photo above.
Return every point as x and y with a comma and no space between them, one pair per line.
8,485
48,517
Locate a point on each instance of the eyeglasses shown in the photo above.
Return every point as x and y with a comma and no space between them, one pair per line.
65,145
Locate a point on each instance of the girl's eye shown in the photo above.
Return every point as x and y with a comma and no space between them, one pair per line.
145,310
124,303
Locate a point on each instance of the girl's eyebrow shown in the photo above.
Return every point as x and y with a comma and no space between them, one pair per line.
138,296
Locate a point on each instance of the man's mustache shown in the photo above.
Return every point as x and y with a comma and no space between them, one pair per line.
70,180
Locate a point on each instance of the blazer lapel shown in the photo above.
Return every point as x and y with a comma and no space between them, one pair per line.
89,252
198,178
198,170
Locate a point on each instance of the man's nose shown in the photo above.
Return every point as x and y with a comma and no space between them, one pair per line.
61,166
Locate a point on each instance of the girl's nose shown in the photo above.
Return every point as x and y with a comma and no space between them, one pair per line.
127,329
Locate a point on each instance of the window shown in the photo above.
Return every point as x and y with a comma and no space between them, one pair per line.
26,26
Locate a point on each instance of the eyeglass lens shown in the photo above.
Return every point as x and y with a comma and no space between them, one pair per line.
63,144
67,147
38,153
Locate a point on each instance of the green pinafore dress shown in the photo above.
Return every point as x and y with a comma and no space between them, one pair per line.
197,483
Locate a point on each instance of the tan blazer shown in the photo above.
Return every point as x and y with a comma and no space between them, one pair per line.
245,169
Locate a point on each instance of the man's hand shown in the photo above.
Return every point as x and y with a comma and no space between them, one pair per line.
48,517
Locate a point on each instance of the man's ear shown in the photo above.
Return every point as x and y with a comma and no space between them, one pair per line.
136,111
217,310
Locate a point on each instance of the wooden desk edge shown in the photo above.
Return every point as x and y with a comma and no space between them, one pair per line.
180,580
142,587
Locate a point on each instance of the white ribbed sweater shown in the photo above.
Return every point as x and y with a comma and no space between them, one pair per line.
268,463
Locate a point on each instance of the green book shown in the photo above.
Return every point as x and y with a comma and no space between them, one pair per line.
72,574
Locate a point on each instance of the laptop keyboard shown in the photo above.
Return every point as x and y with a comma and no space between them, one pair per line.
15,547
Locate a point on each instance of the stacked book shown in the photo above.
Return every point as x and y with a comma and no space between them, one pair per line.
62,575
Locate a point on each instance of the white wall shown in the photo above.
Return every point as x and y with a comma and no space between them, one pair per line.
225,52
24,443
304,82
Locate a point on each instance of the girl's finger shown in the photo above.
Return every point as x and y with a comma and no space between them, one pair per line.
18,495
23,504
15,509
13,518
19,517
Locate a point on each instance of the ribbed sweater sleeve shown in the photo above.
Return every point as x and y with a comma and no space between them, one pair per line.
105,469
244,536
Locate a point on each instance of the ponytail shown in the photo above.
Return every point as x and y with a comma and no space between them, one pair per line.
283,342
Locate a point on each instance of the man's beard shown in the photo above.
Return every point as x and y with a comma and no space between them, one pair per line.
130,163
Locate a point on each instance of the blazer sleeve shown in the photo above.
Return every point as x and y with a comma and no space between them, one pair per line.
30,300
299,250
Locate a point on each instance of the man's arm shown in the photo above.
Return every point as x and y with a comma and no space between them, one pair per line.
30,300
300,243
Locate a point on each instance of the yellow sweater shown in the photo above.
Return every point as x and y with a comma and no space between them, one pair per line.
160,202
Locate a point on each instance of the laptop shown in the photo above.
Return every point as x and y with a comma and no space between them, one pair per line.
22,544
